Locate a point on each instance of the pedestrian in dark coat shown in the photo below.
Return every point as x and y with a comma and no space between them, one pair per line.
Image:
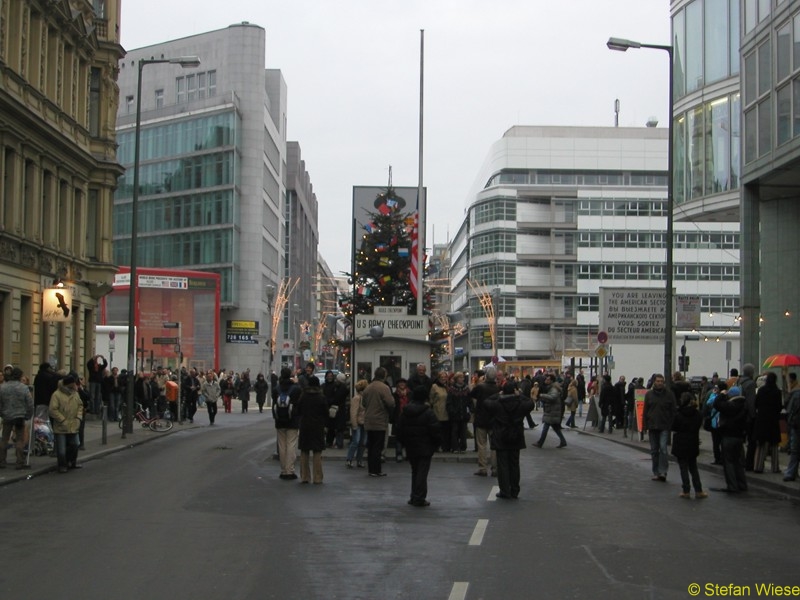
313,413
686,444
766,427
260,387
508,436
418,430
459,408
732,407
243,390
606,404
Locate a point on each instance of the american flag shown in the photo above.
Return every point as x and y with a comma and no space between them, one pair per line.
414,275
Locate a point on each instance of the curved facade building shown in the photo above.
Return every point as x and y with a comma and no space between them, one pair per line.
560,212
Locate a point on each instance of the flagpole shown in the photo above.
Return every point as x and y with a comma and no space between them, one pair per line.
420,195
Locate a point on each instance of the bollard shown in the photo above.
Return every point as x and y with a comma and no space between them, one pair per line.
105,423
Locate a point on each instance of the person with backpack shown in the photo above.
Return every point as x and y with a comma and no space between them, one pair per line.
287,422
711,421
793,421
732,409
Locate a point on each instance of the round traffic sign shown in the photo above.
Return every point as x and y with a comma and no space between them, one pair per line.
602,337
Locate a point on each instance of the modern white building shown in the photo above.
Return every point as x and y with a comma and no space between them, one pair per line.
215,190
558,213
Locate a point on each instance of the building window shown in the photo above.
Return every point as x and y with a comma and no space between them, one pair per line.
180,90
212,83
191,88
715,40
694,46
784,99
764,127
718,146
94,102
129,105
783,52
160,98
496,210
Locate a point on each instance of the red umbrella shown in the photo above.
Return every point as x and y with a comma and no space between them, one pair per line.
782,360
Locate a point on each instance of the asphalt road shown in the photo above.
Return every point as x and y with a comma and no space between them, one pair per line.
201,513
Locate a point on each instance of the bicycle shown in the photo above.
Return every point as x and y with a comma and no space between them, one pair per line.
156,423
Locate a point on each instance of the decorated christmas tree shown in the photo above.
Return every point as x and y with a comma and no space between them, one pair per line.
384,259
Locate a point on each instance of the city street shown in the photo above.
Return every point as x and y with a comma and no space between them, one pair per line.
201,513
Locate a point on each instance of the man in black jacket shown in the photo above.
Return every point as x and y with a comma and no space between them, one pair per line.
418,430
508,436
732,409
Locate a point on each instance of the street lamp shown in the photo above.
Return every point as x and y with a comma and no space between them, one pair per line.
622,45
187,62
269,296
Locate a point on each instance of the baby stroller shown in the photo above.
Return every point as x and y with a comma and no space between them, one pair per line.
43,438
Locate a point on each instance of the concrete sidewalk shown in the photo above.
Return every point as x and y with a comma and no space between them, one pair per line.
97,443
767,480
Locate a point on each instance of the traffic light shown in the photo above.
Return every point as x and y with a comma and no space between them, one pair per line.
682,363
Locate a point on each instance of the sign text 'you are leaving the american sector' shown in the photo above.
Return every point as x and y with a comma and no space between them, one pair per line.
633,315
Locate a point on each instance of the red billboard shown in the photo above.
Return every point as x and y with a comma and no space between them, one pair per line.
177,317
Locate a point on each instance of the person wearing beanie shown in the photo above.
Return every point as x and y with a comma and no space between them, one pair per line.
418,431
66,413
732,426
16,407
686,445
507,414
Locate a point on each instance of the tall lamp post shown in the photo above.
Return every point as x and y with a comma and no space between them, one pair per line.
622,45
187,62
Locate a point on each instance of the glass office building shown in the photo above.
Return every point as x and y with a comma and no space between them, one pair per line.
212,174
737,100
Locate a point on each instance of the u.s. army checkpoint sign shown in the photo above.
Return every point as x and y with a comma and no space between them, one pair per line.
410,327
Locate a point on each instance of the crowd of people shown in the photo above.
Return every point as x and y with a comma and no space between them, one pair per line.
424,415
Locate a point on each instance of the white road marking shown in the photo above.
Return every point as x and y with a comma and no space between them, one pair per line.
478,532
495,489
459,591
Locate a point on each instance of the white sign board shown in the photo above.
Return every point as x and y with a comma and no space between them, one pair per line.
390,310
688,312
56,305
406,326
633,315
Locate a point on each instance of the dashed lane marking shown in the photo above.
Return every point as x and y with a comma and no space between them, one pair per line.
459,591
495,489
478,532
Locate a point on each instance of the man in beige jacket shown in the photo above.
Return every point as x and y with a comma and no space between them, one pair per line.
66,411
378,403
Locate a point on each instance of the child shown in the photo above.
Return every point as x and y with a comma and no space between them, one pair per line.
686,444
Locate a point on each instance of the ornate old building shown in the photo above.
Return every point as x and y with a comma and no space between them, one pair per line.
58,171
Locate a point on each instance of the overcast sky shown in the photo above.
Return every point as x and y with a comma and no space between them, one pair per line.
352,71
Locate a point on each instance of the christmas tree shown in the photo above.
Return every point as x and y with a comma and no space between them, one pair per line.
383,261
